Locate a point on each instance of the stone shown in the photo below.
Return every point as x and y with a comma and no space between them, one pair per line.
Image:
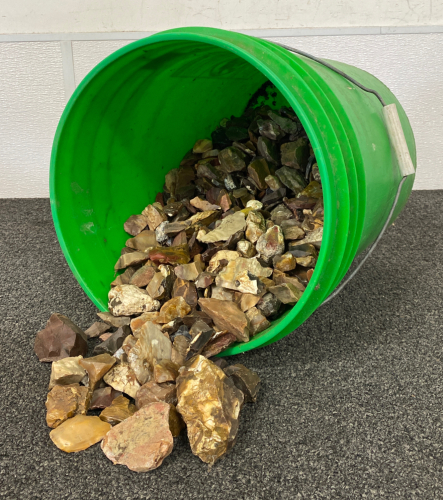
171,255
315,238
152,346
125,300
220,259
213,153
176,423
285,262
312,190
203,219
172,309
224,200
151,392
105,336
210,405
258,170
103,397
273,183
205,280
125,277
232,159
207,171
228,227
114,342
271,243
79,433
141,442
155,215
291,178
269,305
181,346
189,272
138,322
269,129
292,231
161,235
274,197
299,249
254,205
248,300
308,261
257,321
96,367
61,338
218,343
281,213
96,329
227,316
199,342
246,249
295,154
244,379
217,292
135,224
286,124
202,146
309,274
220,362
131,259
142,241
286,293
143,276
203,204
160,287
299,203
63,402
180,239
187,290
165,371
121,378
255,226
114,321
171,181
315,173
268,150
119,410
128,344
280,277
241,275
66,371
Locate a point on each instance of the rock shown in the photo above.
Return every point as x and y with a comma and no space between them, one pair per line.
114,342
299,203
269,129
312,190
212,153
256,226
286,124
135,224
220,259
210,405
120,409
315,172
292,231
280,277
187,290
244,379
160,287
248,300
151,392
203,204
281,213
202,146
273,182
228,227
268,305
142,241
295,154
138,322
285,262
241,275
121,378
171,255
176,424
155,215
232,159
189,272
199,342
246,249
227,316
217,292
286,293
165,371
224,200
96,367
172,309
180,346
220,362
141,442
274,197
218,343
131,259
114,321
129,343
180,239
66,371
309,274
204,280
160,233
102,398
125,300
143,276
257,322
258,170
152,346
315,238
79,433
271,243
63,402
203,219
61,338
254,205
291,178
96,329
268,150
125,277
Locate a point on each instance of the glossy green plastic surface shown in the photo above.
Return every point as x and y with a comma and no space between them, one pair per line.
140,110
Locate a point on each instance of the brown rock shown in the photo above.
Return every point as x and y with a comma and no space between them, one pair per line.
96,329
189,272
176,423
114,321
152,392
96,367
229,226
205,280
125,300
202,146
280,277
273,182
203,204
155,215
257,322
142,441
143,276
63,402
281,213
210,405
221,259
114,342
165,371
180,239
258,170
121,378
138,322
61,338
248,300
105,336
142,241
246,248
181,345
244,379
172,309
227,316
131,259
66,371
271,243
256,226
125,277
286,293
232,159
268,305
120,409
79,433
171,255
135,224
285,262
218,343
187,290
102,398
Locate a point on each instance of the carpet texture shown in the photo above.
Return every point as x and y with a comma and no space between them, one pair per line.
351,404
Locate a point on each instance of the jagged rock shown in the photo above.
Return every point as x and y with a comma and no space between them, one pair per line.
255,226
281,213
285,262
254,205
291,178
220,259
203,204
66,371
246,248
141,442
120,409
155,215
205,280
295,154
61,338
271,243
143,241
138,322
286,124
210,405
171,255
244,379
160,287
125,277
257,322
187,290
189,272
227,316
143,276
292,230
79,433
202,146
103,397
114,342
121,378
273,182
165,371
151,392
96,329
125,300
241,275
220,293
131,259
199,342
258,170
232,159
114,321
268,305
315,238
268,150
96,367
312,190
228,227
63,402
286,293
248,300
218,343
135,224
174,308
280,277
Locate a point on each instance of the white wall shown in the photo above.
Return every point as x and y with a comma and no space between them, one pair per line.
39,71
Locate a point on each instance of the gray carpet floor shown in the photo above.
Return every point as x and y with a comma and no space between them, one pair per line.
351,404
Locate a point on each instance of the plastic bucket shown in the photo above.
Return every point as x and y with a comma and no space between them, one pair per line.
140,110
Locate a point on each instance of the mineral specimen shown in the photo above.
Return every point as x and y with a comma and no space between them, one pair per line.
125,300
228,227
114,321
120,409
96,329
271,243
151,392
244,379
174,308
142,241
96,367
227,316
286,293
63,402
257,321
66,371
121,378
101,398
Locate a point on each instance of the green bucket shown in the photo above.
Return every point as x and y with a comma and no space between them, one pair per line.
140,110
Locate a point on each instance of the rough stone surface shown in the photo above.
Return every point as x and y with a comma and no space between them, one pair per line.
227,316
65,401
120,409
66,371
125,300
97,329
151,392
123,379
